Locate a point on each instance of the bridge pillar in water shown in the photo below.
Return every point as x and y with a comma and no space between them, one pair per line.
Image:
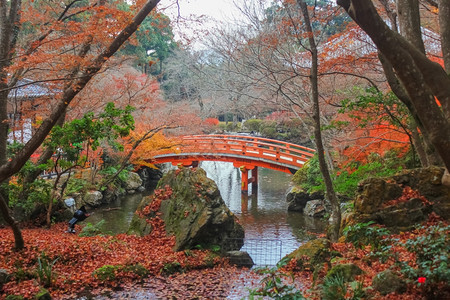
254,181
245,180
244,176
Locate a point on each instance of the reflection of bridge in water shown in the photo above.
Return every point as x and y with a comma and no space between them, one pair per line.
245,152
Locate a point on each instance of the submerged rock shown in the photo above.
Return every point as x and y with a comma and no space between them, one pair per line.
240,258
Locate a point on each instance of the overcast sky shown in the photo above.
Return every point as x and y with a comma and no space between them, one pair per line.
222,10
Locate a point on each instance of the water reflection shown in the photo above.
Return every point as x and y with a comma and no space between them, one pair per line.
263,215
117,214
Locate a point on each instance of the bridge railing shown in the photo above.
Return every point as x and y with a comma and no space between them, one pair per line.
256,147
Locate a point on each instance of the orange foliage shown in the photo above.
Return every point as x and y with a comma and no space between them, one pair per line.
78,257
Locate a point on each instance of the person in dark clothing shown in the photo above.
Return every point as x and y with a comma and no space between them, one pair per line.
79,215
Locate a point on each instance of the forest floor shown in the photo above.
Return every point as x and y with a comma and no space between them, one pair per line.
128,267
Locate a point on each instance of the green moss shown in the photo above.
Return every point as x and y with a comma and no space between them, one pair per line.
171,268
312,254
137,269
106,273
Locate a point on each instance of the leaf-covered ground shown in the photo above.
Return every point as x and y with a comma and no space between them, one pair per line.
202,276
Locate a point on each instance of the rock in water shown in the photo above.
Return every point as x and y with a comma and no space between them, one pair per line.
196,214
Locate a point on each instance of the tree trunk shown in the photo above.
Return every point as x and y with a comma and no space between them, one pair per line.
423,79
18,238
409,21
335,217
444,28
418,145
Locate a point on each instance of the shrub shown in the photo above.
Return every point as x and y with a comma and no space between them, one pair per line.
432,256
336,288
253,125
309,177
362,234
93,230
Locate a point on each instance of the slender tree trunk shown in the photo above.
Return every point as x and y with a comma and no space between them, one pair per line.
18,238
335,217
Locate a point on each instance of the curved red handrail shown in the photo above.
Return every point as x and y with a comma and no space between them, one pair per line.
236,148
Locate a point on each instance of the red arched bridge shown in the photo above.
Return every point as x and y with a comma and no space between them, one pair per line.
245,152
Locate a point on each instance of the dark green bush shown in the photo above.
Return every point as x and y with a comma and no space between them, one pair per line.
432,256
362,234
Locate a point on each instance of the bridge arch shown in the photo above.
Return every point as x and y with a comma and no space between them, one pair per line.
245,152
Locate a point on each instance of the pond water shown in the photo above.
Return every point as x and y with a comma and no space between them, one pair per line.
270,230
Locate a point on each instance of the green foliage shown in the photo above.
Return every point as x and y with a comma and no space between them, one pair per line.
14,297
336,288
91,130
309,177
44,270
274,285
347,181
362,234
75,185
253,125
93,230
432,255
38,192
376,107
171,268
121,178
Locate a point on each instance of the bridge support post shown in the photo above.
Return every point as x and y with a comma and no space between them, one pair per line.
254,181
244,184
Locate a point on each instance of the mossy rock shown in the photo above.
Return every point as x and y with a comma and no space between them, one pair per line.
312,254
387,282
137,269
373,192
347,271
139,226
106,273
171,268
196,213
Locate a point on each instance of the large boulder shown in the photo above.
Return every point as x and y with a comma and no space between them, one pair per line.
133,182
311,255
401,201
387,282
315,208
195,213
92,198
297,199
